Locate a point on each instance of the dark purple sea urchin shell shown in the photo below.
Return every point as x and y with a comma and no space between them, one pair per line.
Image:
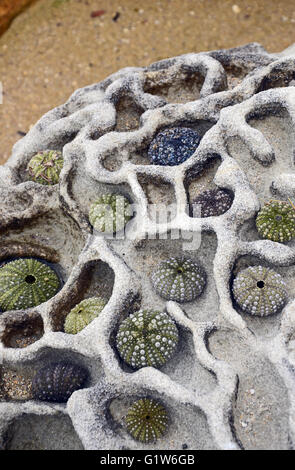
213,202
173,146
57,381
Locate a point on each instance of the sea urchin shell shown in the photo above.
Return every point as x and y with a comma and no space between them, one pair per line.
213,202
25,283
146,420
45,167
110,213
173,146
259,291
276,221
147,338
57,381
179,279
82,314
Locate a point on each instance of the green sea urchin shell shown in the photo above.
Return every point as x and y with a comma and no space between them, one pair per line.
25,283
45,167
179,279
259,291
276,221
82,314
146,420
147,338
110,213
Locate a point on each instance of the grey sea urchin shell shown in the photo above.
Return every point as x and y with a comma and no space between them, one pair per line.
179,279
57,381
259,291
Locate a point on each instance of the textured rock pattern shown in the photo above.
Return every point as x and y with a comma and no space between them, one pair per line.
242,90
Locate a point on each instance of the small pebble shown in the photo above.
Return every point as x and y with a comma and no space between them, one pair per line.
236,9
97,13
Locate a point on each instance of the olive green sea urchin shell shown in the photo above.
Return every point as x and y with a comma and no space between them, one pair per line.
146,420
147,338
259,291
276,221
25,283
179,279
110,213
82,314
45,167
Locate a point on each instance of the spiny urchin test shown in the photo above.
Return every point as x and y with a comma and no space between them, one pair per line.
146,420
173,146
212,202
147,338
276,221
45,167
57,381
82,314
25,283
179,279
259,291
110,213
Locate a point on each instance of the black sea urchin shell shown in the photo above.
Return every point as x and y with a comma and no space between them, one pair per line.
57,381
213,202
259,291
173,146
179,279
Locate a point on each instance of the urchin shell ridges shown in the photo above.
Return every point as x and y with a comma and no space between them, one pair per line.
110,213
45,167
57,381
147,338
25,283
276,221
179,279
213,202
173,146
260,291
146,420
82,314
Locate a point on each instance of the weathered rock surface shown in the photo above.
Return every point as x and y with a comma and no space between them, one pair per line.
231,383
